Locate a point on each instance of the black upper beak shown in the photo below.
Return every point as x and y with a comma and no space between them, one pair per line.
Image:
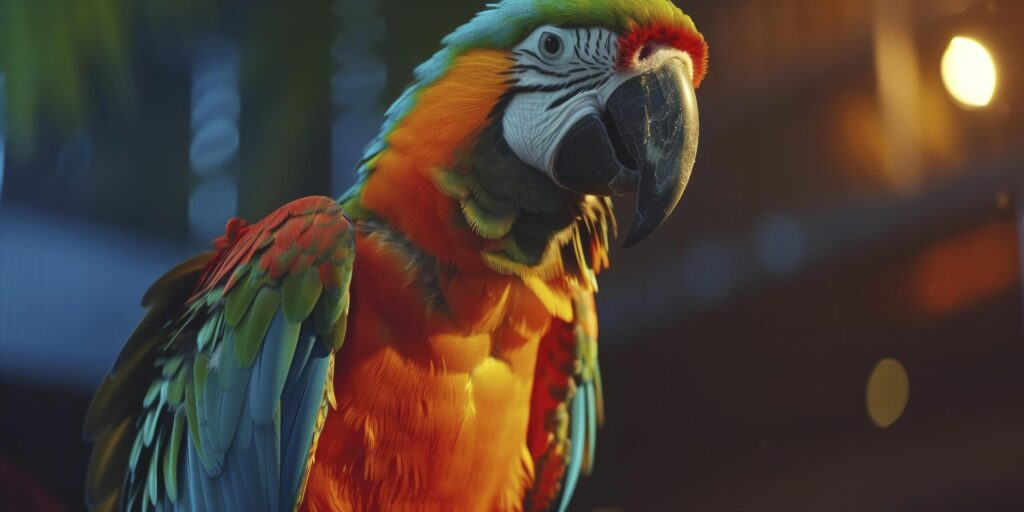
646,142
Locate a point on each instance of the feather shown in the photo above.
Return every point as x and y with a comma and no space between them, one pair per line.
230,375
214,296
253,327
493,202
336,337
144,506
227,421
456,185
267,442
146,336
134,495
598,395
153,475
577,431
176,388
119,395
302,413
329,309
193,490
171,366
239,299
210,408
280,264
243,436
236,497
251,486
108,464
200,372
485,222
133,459
556,303
107,505
200,478
244,451
213,458
171,457
149,427
270,373
303,348
228,492
152,393
209,332
176,279
299,294
192,417
591,434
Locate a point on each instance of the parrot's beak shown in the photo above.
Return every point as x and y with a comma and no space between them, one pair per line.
645,142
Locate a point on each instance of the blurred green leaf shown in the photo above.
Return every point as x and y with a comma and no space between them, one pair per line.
50,51
60,56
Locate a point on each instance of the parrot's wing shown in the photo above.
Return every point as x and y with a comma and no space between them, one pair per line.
218,398
566,407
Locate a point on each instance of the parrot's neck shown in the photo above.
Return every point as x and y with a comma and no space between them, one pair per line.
492,212
447,181
532,226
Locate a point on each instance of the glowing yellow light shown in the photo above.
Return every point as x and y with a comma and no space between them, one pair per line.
887,393
969,72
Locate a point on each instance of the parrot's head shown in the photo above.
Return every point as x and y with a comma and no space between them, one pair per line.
535,103
601,99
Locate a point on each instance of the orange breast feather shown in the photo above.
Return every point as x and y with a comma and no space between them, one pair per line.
433,408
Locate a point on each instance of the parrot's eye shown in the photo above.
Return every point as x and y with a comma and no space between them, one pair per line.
551,46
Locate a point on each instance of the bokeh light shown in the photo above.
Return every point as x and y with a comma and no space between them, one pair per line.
969,72
216,109
888,391
709,272
779,244
939,281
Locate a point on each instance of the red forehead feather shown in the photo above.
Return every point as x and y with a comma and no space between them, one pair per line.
682,38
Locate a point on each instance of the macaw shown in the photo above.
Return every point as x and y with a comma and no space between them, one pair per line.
428,341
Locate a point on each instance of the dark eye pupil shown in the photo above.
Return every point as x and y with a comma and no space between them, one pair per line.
552,44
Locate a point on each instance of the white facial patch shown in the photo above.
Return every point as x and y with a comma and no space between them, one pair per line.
561,76
555,89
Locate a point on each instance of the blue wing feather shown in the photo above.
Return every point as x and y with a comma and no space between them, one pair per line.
572,377
303,408
201,484
249,481
271,369
591,426
578,429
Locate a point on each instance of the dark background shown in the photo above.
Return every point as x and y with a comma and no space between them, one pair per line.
845,209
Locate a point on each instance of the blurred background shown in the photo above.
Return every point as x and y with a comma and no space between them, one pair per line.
832,320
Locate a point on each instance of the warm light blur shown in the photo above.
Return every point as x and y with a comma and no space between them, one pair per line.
887,392
965,270
969,72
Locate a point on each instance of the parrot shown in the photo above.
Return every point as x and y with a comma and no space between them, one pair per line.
427,341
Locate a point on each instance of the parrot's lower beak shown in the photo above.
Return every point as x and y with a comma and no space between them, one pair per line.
645,142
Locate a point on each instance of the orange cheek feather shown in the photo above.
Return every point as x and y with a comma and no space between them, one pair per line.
446,119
